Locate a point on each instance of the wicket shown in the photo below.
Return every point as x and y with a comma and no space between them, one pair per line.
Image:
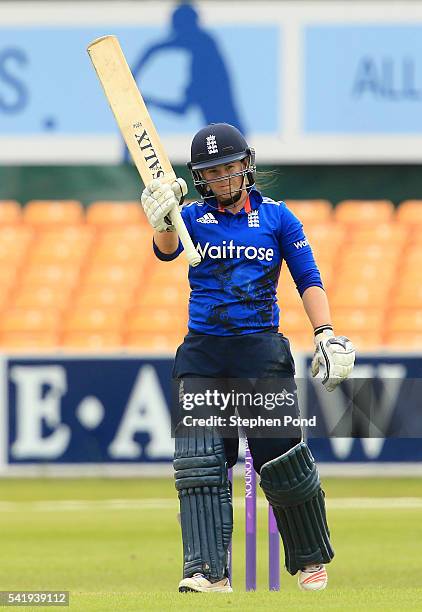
250,533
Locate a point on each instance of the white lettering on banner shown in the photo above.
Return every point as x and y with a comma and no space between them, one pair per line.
36,406
232,251
335,407
146,412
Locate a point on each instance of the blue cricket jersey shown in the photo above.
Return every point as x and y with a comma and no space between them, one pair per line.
234,288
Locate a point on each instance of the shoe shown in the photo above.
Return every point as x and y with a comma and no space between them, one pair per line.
199,584
313,578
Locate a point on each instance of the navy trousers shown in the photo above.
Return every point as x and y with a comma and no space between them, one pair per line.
262,355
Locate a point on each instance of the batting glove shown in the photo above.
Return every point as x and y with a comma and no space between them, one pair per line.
158,199
334,357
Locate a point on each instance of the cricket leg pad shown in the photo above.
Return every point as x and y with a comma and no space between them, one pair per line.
206,510
292,486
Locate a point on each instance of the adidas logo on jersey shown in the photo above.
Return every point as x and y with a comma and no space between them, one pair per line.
253,219
207,218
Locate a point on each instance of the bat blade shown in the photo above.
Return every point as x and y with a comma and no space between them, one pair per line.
135,124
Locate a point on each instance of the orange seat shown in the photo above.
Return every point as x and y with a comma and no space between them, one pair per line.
409,212
54,252
407,295
382,233
78,236
405,320
161,320
369,340
115,213
9,276
30,320
161,271
42,296
92,341
366,272
413,257
349,320
359,295
294,320
92,296
53,212
155,342
10,212
122,253
157,294
113,275
30,340
310,211
364,253
94,319
330,234
354,212
406,340
65,275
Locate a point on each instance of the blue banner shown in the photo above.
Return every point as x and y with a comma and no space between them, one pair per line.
363,79
111,410
190,75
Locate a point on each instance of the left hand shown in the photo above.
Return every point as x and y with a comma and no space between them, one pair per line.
334,357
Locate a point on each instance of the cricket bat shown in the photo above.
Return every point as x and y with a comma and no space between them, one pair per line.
136,125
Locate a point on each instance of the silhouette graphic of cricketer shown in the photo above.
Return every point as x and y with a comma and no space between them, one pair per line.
209,86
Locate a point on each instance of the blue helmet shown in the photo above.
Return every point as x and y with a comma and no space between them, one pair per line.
219,143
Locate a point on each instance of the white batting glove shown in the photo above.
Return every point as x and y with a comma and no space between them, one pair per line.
334,357
158,199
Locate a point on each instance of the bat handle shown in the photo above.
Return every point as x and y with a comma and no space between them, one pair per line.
192,254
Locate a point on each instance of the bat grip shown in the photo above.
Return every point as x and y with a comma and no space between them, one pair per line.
192,254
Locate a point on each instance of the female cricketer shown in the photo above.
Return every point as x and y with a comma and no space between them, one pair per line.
243,237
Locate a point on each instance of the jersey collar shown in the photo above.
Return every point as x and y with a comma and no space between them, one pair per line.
252,203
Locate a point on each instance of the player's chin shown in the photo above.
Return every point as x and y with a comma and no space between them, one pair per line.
227,200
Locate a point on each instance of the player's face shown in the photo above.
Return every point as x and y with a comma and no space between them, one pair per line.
226,190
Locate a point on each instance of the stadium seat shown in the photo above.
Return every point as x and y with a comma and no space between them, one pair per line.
53,212
164,320
92,341
361,320
42,296
10,212
113,275
407,295
158,294
310,211
294,320
346,294
355,212
92,319
29,341
88,296
382,233
54,252
30,320
405,320
112,213
369,340
409,212
65,275
405,340
362,271
155,342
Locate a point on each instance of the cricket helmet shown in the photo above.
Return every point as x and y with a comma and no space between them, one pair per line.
219,143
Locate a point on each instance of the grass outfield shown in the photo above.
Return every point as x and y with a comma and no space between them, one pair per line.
115,545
